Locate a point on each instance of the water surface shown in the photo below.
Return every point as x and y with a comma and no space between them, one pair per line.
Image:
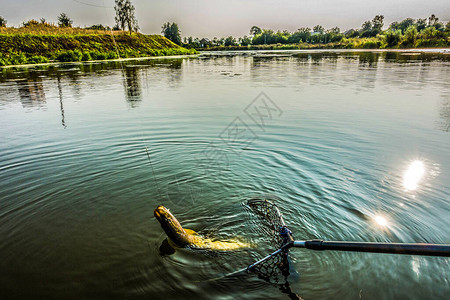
354,144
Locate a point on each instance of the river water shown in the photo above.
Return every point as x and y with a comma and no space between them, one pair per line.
352,145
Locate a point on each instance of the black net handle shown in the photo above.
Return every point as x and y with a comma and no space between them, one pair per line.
393,248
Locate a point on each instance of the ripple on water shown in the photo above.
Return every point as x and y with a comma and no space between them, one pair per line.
78,189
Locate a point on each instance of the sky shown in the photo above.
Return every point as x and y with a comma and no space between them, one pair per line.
220,18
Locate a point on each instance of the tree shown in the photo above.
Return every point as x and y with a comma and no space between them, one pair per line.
366,29
43,20
301,35
335,30
432,20
366,26
125,17
64,20
392,37
394,26
3,22
351,33
130,17
439,26
196,43
172,32
304,30
255,30
120,14
403,25
245,41
265,37
319,29
421,24
334,35
377,22
429,33
447,26
409,39
230,41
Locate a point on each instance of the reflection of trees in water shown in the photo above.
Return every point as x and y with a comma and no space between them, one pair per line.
29,84
369,59
175,74
63,121
444,114
75,83
153,73
133,87
368,68
316,58
411,57
31,92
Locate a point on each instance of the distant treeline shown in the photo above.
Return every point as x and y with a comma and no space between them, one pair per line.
409,33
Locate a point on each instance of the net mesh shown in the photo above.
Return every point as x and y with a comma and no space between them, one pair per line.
276,267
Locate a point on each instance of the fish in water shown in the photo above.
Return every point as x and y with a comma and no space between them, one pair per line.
182,237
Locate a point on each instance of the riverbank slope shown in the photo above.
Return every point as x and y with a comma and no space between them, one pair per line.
47,44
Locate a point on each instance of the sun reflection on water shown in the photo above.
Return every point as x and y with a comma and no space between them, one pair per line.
381,220
413,175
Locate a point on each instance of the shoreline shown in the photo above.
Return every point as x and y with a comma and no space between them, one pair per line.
412,50
98,61
408,50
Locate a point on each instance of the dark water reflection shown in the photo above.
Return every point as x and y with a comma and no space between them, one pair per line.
31,93
133,85
445,115
342,138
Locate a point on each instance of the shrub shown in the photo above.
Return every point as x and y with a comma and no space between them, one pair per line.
98,27
31,22
97,55
422,43
371,45
86,56
70,55
17,59
409,39
392,37
37,59
112,55
428,33
2,22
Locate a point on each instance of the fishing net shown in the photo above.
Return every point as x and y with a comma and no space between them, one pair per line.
274,267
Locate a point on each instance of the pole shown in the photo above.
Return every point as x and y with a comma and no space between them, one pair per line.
394,248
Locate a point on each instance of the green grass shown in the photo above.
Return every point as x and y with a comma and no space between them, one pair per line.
38,47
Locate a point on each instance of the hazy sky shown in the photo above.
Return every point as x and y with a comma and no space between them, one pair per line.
219,18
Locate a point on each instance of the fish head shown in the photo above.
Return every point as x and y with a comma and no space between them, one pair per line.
171,226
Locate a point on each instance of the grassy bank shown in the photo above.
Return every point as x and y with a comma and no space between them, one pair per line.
41,44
